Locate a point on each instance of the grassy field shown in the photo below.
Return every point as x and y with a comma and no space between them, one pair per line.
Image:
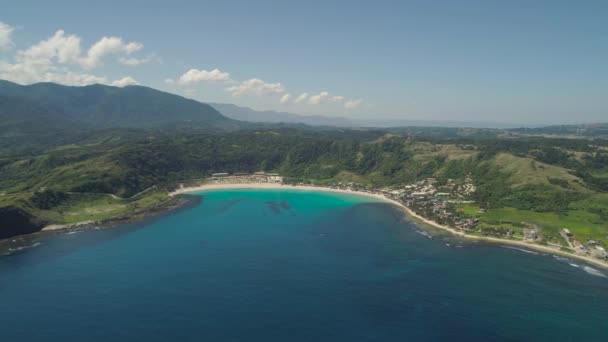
424,151
97,207
584,224
524,171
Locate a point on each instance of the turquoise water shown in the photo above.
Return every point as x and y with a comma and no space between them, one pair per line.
251,265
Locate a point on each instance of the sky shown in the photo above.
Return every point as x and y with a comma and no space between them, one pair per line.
524,62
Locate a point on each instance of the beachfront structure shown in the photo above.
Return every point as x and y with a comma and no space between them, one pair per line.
220,174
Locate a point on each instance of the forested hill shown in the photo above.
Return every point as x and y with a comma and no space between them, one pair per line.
102,106
541,180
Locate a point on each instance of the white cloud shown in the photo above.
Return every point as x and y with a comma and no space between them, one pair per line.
285,98
53,60
6,31
256,87
194,76
64,49
25,73
316,99
133,61
108,46
73,78
351,104
323,97
301,98
125,81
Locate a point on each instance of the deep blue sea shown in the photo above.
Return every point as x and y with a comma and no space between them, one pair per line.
269,265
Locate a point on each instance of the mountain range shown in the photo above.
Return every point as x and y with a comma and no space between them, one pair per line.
41,109
269,116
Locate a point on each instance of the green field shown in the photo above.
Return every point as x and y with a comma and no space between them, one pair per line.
98,207
584,224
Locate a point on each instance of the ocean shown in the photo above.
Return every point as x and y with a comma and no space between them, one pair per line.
291,265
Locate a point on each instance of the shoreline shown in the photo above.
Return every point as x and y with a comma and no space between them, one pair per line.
413,216
409,212
160,209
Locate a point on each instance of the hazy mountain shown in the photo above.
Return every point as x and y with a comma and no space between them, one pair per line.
251,115
583,130
247,114
101,106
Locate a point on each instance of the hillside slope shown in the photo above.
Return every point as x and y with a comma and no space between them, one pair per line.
102,106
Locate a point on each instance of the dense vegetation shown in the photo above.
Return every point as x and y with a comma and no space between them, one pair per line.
559,173
56,165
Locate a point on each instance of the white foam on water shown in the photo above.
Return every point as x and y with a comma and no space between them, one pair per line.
423,233
594,272
21,248
564,259
521,250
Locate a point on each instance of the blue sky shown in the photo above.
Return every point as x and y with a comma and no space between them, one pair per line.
507,61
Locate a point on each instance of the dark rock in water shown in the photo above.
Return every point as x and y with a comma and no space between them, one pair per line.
285,205
227,205
274,207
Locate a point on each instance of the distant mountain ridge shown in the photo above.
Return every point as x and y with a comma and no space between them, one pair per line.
269,116
248,114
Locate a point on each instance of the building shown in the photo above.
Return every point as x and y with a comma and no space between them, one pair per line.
220,174
600,252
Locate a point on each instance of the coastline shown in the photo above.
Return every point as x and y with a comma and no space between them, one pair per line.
167,206
406,210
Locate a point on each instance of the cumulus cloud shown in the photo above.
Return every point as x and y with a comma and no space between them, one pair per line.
30,73
325,96
316,99
195,76
54,59
301,98
125,81
351,104
62,48
256,87
6,32
108,46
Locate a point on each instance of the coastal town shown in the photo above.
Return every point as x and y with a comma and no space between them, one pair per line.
438,203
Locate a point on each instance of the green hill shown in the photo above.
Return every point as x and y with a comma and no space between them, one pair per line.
103,106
